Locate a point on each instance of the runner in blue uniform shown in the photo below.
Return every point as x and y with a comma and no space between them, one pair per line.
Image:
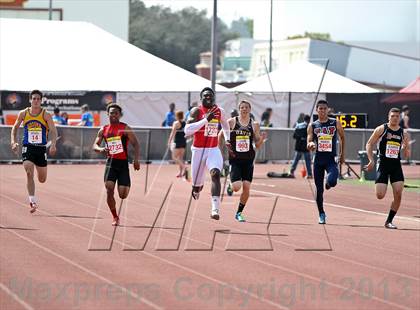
322,138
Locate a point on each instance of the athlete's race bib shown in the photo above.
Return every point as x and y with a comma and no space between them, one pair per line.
242,144
35,135
115,145
211,129
392,149
325,143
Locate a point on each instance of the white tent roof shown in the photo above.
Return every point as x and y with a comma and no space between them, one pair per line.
303,77
64,56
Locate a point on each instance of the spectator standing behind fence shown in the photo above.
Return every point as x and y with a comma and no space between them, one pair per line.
299,120
179,143
57,118
193,105
170,116
300,136
405,124
265,118
87,117
65,117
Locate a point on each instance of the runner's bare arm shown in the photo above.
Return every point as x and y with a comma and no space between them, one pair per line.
310,138
175,127
15,128
259,136
220,136
406,145
225,125
370,145
193,124
340,131
98,140
52,132
136,145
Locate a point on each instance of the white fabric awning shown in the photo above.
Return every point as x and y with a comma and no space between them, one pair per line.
67,56
303,77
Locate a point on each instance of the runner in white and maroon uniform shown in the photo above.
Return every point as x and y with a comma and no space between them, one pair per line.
204,124
116,136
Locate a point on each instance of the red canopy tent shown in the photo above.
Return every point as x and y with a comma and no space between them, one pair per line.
410,93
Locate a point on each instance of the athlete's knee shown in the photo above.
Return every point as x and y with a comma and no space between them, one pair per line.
110,191
123,195
380,194
332,182
236,186
197,189
319,191
215,174
42,178
246,187
398,195
29,173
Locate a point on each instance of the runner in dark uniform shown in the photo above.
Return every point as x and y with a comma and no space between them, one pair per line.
116,136
322,137
391,139
244,133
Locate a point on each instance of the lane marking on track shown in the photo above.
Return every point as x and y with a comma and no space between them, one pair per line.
16,297
334,205
314,278
87,270
198,273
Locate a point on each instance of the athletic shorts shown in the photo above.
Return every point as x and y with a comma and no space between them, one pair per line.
180,145
117,170
389,171
203,160
241,170
35,154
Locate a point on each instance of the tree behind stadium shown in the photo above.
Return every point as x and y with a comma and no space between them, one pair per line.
178,37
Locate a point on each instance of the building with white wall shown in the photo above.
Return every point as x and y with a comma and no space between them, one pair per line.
383,69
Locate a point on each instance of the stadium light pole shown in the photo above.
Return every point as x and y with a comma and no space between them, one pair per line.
214,46
50,11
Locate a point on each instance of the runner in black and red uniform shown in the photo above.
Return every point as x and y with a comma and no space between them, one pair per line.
116,136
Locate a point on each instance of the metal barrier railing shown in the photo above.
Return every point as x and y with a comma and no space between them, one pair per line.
75,143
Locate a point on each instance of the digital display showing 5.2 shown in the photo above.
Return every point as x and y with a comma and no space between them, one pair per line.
349,120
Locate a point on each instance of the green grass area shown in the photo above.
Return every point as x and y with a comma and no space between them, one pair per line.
412,182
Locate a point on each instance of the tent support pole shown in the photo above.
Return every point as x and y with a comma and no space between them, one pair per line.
288,109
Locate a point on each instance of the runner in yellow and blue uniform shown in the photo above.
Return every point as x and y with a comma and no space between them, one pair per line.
37,126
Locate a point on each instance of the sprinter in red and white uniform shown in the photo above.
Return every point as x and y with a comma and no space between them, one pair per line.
116,136
204,123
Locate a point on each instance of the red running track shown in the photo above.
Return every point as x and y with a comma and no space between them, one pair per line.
66,256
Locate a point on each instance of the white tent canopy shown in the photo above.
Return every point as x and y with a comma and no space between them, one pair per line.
67,56
303,77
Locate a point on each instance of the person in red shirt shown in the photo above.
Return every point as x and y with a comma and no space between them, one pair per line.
116,136
204,124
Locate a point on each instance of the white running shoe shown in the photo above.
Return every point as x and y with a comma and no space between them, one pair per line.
390,226
215,214
33,206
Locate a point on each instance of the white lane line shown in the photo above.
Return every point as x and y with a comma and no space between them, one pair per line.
334,205
16,297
